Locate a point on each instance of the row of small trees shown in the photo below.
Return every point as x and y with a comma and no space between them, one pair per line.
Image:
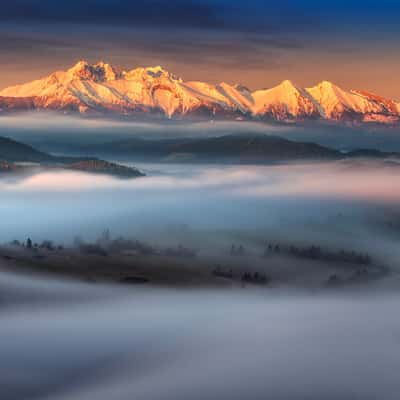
309,252
30,245
317,253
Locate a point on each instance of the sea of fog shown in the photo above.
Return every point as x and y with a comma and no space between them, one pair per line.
342,204
61,340
69,340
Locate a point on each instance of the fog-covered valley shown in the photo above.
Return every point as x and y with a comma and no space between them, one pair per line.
337,198
198,281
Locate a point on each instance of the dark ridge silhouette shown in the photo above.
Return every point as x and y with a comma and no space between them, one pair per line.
104,167
12,152
246,149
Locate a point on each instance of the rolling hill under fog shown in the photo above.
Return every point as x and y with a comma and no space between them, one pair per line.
12,153
234,149
247,149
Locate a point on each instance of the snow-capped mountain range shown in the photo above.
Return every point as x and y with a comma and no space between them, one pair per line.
101,88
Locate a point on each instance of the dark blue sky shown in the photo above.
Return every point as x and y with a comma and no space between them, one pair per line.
250,15
256,42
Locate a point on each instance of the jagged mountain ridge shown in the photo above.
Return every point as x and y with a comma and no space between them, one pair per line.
102,88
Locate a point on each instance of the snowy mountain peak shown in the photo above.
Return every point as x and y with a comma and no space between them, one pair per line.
325,85
156,71
99,72
284,102
101,87
151,73
287,84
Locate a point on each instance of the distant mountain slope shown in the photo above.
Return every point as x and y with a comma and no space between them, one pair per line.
13,151
99,89
233,149
252,149
104,167
245,149
229,148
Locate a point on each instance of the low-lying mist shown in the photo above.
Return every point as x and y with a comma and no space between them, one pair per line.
62,339
155,344
65,133
339,204
55,132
